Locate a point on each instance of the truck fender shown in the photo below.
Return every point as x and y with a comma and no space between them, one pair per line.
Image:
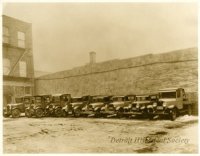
64,108
27,108
38,107
15,109
118,108
149,106
58,107
170,107
96,108
77,107
103,108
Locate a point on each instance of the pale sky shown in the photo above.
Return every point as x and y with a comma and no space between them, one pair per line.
65,33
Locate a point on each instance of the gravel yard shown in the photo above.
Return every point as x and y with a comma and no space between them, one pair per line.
98,135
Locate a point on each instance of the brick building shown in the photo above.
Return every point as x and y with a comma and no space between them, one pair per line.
18,69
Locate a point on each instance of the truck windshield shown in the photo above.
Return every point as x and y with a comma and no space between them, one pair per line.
142,98
76,99
38,99
165,95
97,100
131,98
118,99
47,99
65,98
56,99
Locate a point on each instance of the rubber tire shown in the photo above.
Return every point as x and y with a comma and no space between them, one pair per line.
16,113
39,112
58,112
173,115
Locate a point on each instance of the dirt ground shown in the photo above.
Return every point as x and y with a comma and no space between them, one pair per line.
98,135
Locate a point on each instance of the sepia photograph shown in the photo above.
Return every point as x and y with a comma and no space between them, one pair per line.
100,77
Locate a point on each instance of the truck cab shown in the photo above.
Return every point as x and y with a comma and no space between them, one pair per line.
78,103
96,103
17,107
139,107
58,102
119,106
37,108
172,102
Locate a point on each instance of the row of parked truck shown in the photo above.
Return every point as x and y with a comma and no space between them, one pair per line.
169,102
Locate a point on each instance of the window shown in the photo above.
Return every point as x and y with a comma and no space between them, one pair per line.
5,35
19,90
22,68
6,66
166,95
21,39
27,90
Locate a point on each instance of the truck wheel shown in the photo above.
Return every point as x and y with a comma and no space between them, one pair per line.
27,113
77,113
189,110
16,113
39,113
173,114
58,112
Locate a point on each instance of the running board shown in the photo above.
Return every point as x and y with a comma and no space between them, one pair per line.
113,115
91,115
156,117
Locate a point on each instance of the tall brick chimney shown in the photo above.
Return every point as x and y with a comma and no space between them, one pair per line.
92,57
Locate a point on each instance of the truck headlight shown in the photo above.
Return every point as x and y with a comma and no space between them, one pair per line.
154,104
129,106
137,106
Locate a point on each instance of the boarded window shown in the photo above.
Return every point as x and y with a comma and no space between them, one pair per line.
5,35
6,66
21,39
22,68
